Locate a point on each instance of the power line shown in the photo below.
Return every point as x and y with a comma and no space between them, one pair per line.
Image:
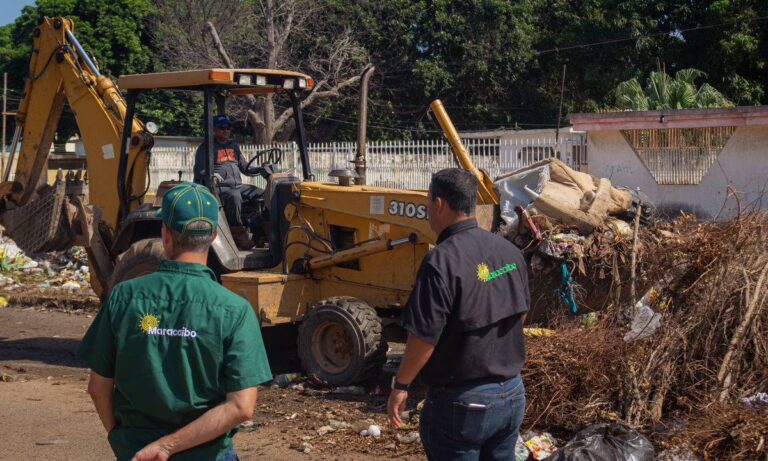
656,34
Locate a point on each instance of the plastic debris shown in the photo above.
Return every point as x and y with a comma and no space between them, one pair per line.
248,426
71,286
304,447
283,380
351,390
756,402
372,431
3,301
644,323
606,441
51,442
410,437
541,446
6,378
538,332
522,453
68,269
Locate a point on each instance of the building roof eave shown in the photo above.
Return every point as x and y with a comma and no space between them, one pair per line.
675,118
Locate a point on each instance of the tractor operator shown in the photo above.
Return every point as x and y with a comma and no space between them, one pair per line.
228,163
464,320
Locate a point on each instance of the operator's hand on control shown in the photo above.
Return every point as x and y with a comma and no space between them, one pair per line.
152,452
395,405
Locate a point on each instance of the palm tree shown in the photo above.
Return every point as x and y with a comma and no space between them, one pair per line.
665,92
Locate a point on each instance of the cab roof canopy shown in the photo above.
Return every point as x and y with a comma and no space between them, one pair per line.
238,81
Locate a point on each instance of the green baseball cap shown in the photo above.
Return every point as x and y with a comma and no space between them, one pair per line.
187,203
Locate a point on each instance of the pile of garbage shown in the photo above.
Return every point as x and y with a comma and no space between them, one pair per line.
578,233
59,271
695,381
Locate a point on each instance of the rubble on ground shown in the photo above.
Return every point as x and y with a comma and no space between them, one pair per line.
65,271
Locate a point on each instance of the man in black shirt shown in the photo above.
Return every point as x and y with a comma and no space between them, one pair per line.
228,162
465,332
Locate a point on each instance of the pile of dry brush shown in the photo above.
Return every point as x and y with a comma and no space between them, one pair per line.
711,349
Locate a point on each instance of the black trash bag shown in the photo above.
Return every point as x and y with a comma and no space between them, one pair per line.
606,442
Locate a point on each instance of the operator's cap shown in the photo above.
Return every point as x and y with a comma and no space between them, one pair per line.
187,203
222,120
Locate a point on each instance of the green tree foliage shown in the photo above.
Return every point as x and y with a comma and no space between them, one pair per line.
116,33
665,92
494,63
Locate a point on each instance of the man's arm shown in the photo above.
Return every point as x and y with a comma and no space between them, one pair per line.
242,164
417,353
102,391
238,407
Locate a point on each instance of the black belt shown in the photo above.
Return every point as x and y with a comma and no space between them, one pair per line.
473,382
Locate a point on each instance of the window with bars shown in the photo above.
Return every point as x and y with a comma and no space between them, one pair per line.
678,155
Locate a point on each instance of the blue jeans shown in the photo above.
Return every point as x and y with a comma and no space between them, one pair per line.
474,422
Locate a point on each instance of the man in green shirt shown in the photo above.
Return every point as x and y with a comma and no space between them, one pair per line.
175,357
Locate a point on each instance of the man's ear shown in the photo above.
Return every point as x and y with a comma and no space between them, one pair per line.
440,204
165,234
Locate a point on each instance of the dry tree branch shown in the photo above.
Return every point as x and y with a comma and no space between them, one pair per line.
738,335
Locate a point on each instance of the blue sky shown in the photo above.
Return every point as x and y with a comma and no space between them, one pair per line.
11,9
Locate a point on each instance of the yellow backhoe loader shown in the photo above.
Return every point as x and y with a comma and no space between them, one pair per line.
339,260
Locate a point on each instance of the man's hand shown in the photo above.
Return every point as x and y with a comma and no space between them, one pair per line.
152,452
395,405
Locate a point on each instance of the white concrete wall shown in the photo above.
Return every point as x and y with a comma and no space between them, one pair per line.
743,164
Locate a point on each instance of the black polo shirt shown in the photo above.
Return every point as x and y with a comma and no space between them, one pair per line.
469,299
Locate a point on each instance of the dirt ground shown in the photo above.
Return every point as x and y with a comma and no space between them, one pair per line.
46,414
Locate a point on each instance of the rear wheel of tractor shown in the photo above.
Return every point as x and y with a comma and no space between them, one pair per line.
340,341
141,258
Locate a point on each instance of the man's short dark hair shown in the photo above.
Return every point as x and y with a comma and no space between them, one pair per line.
457,187
183,243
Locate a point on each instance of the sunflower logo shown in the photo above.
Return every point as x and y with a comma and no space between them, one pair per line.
483,272
148,322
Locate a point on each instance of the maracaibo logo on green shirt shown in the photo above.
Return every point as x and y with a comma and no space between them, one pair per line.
485,275
150,325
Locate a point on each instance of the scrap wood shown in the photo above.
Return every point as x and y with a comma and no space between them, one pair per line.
727,432
711,290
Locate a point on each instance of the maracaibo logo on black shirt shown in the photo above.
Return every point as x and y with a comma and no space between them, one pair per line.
485,275
150,325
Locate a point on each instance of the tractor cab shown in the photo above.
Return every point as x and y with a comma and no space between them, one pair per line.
216,85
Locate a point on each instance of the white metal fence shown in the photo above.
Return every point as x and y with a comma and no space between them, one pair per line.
398,164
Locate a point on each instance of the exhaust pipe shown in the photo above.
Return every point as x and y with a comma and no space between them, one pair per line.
362,125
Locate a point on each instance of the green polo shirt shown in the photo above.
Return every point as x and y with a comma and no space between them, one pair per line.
175,342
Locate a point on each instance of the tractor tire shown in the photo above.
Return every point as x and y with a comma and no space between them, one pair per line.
141,258
341,342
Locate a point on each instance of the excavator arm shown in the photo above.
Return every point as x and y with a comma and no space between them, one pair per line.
61,71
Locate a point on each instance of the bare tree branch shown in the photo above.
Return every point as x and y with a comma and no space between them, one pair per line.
219,47
291,34
313,97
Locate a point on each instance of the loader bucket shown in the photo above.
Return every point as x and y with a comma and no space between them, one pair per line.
40,225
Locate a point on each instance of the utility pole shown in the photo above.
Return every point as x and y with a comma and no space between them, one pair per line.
560,110
5,109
